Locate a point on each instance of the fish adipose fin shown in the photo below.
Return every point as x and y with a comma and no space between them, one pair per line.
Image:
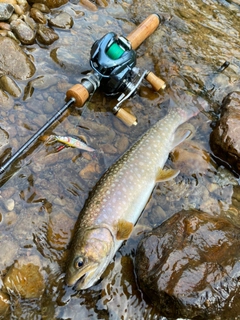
166,174
124,229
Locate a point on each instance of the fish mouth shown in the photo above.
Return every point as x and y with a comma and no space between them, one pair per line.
84,278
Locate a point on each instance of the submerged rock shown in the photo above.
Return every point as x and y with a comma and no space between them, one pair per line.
25,278
224,139
13,61
62,20
4,303
189,266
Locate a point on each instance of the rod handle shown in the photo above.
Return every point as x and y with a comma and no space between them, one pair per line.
144,30
156,82
79,93
126,117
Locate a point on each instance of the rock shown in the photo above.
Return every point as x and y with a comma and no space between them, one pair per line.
46,35
9,204
5,26
25,278
13,61
6,102
6,10
38,16
22,31
51,3
4,303
62,20
8,251
59,231
189,266
42,7
224,138
4,137
10,86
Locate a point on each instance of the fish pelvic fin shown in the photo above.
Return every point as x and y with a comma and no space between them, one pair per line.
180,135
124,229
166,174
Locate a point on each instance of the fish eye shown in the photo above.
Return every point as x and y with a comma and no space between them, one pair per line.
79,262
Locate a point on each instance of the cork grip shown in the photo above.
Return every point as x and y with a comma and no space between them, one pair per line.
145,29
155,82
79,93
126,117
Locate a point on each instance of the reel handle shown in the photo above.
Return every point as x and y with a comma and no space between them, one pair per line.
79,93
144,30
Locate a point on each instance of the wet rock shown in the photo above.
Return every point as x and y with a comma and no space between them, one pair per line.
59,231
46,35
13,61
51,3
42,7
224,138
38,16
10,86
4,303
62,20
189,266
89,172
6,10
22,31
25,278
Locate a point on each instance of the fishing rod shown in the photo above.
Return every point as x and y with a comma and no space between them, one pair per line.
114,71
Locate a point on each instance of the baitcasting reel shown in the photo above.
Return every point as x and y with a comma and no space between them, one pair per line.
113,61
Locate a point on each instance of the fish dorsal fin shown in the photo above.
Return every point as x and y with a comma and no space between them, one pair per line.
180,136
124,229
166,174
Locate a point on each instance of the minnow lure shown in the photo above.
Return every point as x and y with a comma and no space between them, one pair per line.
70,142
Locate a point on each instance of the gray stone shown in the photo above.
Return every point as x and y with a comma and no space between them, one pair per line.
62,20
23,32
6,10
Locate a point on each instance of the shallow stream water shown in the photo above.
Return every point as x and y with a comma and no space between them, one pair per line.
49,188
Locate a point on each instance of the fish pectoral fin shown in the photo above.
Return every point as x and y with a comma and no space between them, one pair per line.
180,135
166,174
124,229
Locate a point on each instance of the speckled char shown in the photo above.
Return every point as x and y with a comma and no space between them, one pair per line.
122,193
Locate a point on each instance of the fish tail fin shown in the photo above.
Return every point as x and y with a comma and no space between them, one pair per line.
188,104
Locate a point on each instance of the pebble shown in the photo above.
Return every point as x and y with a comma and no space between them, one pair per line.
25,278
6,10
38,16
22,31
42,7
89,171
46,35
9,204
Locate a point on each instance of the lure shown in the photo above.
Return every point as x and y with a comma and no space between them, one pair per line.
70,142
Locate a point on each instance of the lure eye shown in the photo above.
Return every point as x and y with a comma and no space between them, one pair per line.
79,262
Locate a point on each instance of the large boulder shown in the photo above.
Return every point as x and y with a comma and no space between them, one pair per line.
189,266
224,138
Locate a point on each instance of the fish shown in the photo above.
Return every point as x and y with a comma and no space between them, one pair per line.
118,199
70,142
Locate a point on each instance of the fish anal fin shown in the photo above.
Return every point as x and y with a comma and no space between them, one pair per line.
124,229
166,174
